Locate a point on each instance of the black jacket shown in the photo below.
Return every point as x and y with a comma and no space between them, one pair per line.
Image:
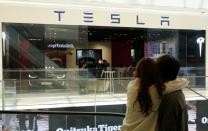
173,114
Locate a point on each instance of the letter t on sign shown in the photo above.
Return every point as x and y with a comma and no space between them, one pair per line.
59,13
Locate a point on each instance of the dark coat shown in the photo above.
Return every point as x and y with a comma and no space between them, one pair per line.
173,114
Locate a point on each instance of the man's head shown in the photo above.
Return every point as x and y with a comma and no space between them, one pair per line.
168,67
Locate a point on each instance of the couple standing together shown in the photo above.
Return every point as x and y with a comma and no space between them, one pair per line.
155,101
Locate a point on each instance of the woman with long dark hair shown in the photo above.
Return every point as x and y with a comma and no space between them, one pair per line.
143,97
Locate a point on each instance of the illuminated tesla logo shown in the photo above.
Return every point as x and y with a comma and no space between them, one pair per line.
200,41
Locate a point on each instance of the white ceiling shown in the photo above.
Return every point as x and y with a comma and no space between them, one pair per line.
179,5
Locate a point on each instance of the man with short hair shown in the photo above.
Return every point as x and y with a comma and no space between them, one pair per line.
172,110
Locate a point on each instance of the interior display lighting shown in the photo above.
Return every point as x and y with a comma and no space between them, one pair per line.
200,41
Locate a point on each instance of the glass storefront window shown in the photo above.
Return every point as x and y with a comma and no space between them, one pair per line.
60,54
186,45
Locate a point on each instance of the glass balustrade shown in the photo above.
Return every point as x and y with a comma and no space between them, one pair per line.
65,90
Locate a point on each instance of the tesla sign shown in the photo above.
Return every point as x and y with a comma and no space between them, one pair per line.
114,18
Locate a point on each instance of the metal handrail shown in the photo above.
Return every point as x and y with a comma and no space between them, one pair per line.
64,113
197,93
189,88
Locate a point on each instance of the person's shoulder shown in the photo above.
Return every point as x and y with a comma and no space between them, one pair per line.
134,80
174,97
174,85
133,84
173,94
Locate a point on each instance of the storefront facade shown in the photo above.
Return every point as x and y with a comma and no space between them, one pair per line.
47,37
39,34
43,46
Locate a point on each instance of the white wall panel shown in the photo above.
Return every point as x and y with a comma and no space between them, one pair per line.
172,3
176,3
193,3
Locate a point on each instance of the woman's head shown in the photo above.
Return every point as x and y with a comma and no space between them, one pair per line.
147,72
146,69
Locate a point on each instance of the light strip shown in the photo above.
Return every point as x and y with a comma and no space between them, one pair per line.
194,98
62,105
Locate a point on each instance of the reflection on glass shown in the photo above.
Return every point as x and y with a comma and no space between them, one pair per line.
48,57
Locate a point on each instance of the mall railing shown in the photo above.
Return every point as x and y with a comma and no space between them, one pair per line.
60,121
79,90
